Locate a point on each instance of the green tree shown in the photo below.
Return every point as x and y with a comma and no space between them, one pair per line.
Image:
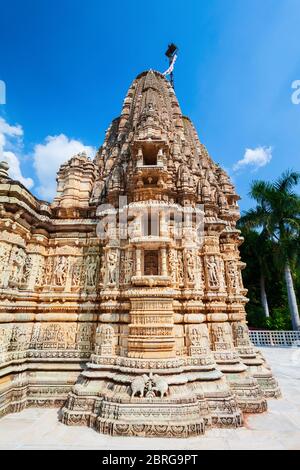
258,247
277,216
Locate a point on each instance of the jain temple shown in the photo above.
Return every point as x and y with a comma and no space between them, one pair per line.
122,301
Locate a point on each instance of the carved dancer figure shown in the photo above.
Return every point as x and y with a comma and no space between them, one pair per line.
112,267
213,271
61,271
91,267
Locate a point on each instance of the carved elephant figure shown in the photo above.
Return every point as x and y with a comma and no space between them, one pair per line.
161,385
138,385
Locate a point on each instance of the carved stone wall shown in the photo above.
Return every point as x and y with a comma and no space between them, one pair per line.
123,301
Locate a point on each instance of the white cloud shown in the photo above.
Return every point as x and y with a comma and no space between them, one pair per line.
255,158
8,130
47,156
50,155
9,142
15,170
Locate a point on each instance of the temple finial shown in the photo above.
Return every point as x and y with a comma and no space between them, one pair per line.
171,53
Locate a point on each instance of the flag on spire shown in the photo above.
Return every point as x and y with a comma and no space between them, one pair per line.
171,66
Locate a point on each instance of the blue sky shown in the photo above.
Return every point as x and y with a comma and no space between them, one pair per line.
67,66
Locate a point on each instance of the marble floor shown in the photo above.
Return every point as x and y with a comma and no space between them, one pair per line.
279,428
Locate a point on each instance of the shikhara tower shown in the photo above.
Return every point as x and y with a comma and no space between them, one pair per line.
123,301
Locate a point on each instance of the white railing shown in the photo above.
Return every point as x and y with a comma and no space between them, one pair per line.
275,338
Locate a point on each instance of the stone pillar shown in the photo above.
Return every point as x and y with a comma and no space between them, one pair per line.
164,269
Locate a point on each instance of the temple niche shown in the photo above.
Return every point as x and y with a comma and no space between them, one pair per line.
122,301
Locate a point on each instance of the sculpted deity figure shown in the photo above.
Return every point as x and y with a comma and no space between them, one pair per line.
199,272
180,267
241,334
76,273
232,274
112,267
104,340
48,270
102,269
195,337
3,261
173,265
222,336
212,272
198,340
18,260
91,268
26,269
40,270
222,275
61,271
190,266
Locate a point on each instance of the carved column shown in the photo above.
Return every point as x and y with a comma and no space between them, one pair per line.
164,269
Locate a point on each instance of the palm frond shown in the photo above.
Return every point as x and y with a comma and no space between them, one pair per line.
287,181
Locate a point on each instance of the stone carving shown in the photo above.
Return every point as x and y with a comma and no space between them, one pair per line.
199,274
150,386
190,266
138,385
221,336
164,309
4,254
48,271
91,271
128,267
180,267
213,278
233,276
198,340
60,272
27,269
17,263
173,265
112,258
76,273
105,340
40,269
160,385
241,334
221,272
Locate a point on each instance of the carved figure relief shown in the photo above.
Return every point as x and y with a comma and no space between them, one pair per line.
105,340
4,254
90,270
112,259
190,266
26,269
17,263
213,279
76,273
232,275
61,269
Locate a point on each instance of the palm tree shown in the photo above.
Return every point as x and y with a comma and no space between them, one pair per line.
257,247
277,214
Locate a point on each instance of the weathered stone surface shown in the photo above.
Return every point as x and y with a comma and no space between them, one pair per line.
131,276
